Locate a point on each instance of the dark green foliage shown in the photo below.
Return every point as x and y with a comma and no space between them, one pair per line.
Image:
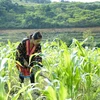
40,1
51,15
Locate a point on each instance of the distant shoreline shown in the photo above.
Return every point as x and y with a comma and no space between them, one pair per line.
92,29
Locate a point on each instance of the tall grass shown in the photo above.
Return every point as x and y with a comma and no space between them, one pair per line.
70,73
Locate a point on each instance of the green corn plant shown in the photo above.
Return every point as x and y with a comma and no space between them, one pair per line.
3,79
24,93
70,72
55,91
2,91
70,62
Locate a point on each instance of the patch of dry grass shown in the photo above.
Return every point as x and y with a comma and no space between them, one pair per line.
92,29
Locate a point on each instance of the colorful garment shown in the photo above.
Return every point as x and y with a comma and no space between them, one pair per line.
24,52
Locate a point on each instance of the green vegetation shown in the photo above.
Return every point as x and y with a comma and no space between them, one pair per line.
72,73
65,35
32,1
71,68
48,15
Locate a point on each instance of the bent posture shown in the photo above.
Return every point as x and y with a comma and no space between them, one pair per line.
25,49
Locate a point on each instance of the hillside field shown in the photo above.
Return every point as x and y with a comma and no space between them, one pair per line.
66,34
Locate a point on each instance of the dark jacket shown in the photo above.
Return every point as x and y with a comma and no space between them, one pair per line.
21,53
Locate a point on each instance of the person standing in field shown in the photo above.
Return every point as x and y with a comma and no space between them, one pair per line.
25,50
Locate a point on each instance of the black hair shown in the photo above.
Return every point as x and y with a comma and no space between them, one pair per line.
36,35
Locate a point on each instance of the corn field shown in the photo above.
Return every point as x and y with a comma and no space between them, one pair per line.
71,73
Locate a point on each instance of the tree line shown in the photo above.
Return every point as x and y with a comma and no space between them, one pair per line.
48,15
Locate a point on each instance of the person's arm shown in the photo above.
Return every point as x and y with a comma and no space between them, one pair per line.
37,59
20,54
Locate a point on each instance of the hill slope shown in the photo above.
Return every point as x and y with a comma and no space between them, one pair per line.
51,15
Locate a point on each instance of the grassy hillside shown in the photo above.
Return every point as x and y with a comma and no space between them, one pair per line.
51,15
66,34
